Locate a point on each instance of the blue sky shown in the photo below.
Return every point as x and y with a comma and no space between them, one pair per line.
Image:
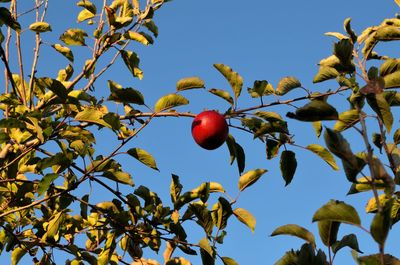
260,40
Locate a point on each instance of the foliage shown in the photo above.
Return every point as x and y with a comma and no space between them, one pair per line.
48,151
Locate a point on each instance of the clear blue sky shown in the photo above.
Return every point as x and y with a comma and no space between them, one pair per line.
261,40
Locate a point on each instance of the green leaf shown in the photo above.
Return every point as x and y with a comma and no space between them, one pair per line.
389,66
84,206
124,95
119,176
339,146
376,260
53,228
189,83
346,120
316,110
288,165
132,61
324,154
272,148
175,188
151,26
347,241
85,14
249,178
222,94
287,84
7,19
64,51
45,182
339,212
348,29
328,231
381,223
229,261
325,73
234,79
365,184
87,5
220,213
207,252
12,123
381,107
245,217
260,88
295,230
107,251
268,116
17,254
40,27
74,37
92,115
143,157
136,36
290,258
170,101
55,86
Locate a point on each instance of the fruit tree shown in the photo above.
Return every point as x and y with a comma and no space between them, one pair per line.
71,136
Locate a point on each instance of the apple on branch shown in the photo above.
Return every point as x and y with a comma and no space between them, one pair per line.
209,129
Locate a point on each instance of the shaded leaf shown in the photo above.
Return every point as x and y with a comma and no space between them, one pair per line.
295,230
381,223
124,95
170,101
339,212
381,107
328,231
316,110
272,148
347,241
288,165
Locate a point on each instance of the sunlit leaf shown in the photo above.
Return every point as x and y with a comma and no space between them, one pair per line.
85,14
346,120
64,51
45,183
249,178
189,83
40,27
260,88
245,217
74,37
234,79
170,101
325,73
324,154
287,84
222,94
229,261
92,115
143,157
132,61
17,254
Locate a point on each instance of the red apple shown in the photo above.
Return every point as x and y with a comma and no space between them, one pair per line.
209,129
